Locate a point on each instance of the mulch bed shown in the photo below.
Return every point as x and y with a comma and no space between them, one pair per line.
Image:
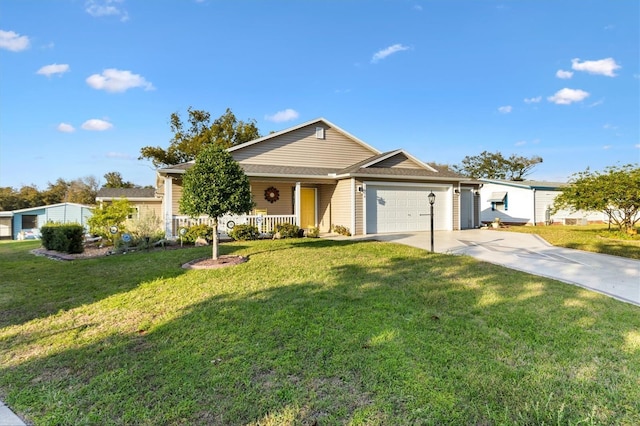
210,263
96,251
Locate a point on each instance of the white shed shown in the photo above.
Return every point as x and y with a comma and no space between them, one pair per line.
528,203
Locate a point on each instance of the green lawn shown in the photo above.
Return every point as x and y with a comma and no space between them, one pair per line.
594,238
309,332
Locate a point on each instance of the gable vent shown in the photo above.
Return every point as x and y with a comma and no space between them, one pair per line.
319,132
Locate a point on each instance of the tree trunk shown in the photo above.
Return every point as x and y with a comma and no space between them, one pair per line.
214,243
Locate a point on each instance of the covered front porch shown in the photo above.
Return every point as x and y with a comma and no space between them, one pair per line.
266,224
277,201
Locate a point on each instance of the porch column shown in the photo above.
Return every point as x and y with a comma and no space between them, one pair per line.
296,208
167,204
353,206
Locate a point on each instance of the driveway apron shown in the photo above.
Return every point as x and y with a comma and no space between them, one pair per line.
614,276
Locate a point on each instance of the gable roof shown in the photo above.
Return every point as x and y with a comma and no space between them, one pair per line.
396,164
50,206
129,193
300,126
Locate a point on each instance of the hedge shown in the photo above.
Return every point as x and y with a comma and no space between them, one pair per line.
66,238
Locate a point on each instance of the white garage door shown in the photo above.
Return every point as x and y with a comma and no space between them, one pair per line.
405,209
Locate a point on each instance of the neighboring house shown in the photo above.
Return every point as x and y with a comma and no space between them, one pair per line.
26,223
318,175
528,203
6,225
143,200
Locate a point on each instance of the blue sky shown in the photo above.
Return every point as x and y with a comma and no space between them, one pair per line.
85,84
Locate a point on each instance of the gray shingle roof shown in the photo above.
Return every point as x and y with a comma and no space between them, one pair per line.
126,193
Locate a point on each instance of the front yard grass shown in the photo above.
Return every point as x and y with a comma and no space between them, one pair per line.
594,238
309,331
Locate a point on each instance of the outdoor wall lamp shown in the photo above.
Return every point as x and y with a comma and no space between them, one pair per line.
432,200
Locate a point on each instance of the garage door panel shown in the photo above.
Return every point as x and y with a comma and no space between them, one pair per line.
405,209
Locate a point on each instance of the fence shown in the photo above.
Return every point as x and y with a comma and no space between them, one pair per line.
265,223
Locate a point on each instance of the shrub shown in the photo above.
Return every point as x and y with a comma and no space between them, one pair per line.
342,230
287,230
198,231
141,243
244,233
313,232
66,238
107,215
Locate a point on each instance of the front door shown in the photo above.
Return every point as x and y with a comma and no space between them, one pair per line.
307,208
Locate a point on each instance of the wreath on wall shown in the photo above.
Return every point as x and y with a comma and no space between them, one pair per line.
271,194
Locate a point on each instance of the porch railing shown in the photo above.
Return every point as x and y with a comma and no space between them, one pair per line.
265,223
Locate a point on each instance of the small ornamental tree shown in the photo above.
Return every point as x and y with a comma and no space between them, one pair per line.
615,191
215,185
108,215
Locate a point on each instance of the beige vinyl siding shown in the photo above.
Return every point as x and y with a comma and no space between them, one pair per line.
176,188
284,205
341,204
325,206
301,148
398,161
146,209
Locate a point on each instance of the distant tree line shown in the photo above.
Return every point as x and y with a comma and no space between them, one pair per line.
81,191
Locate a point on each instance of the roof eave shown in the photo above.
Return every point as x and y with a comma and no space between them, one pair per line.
402,177
290,176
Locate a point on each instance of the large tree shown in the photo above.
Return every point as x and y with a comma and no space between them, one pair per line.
225,131
615,191
81,191
115,180
215,185
493,165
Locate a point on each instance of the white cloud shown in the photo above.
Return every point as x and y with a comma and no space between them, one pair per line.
568,96
13,41
602,66
532,100
505,109
610,127
606,147
113,80
637,145
66,128
98,8
96,125
564,74
381,54
418,8
520,143
282,116
49,70
596,103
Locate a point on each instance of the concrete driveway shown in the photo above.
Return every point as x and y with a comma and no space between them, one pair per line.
611,275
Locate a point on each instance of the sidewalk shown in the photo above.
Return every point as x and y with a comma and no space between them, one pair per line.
8,418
